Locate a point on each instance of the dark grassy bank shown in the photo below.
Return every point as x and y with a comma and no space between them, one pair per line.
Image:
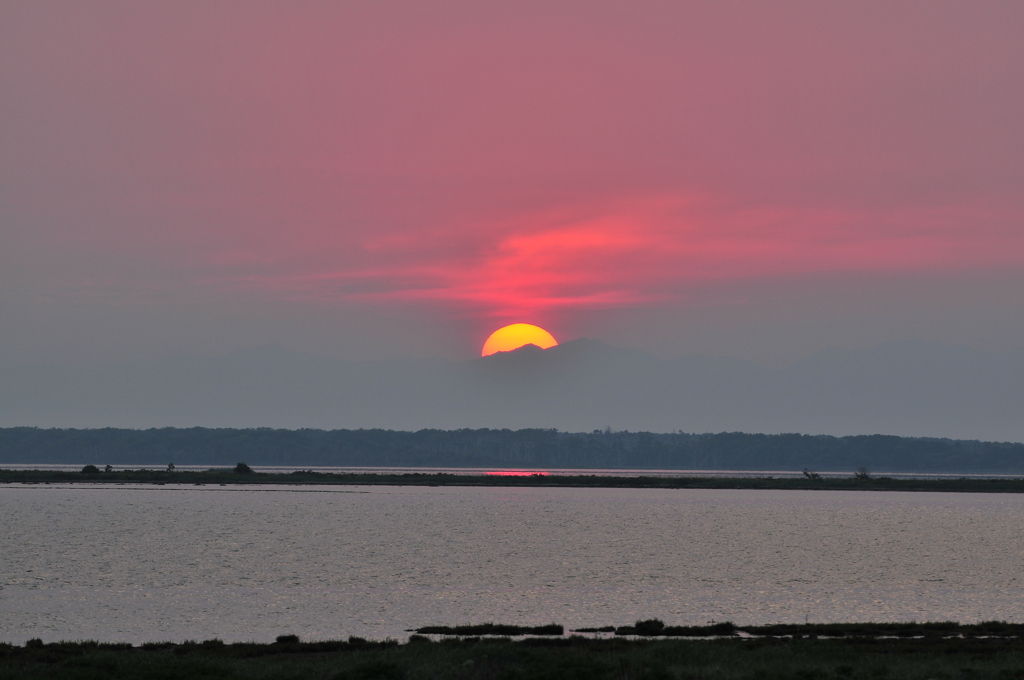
493,629
530,448
800,658
862,482
657,628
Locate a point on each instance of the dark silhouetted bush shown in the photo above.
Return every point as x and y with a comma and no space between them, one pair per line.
156,646
493,629
91,469
287,639
655,628
243,469
649,627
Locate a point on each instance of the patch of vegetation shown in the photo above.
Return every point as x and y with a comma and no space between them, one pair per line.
492,629
800,657
906,630
657,628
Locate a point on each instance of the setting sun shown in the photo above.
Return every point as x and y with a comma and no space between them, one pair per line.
515,336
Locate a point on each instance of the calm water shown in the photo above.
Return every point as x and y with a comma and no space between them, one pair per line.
142,563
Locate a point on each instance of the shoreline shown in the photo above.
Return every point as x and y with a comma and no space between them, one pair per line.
993,650
650,630
229,476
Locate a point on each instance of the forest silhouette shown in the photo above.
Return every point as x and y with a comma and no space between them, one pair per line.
528,448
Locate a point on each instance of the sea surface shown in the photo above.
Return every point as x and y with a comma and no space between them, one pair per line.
144,563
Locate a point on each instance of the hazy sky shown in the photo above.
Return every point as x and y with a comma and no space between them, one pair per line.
375,179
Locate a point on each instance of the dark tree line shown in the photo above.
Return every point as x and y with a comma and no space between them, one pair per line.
506,448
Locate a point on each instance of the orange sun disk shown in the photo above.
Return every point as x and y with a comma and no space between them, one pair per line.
515,336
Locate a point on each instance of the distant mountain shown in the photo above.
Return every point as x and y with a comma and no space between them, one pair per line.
912,389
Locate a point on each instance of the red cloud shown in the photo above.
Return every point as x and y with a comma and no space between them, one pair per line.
651,252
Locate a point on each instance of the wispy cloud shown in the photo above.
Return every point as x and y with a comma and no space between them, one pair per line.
648,252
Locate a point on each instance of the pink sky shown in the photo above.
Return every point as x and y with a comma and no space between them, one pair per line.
757,179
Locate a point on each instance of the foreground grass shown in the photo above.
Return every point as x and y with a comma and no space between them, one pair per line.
228,476
767,658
